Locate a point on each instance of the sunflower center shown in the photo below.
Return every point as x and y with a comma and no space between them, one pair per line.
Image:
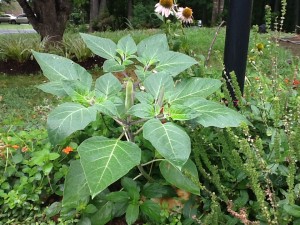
187,12
166,3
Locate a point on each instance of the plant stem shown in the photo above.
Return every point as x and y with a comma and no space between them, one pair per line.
144,173
152,161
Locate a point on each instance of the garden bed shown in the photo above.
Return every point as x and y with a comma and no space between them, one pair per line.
13,67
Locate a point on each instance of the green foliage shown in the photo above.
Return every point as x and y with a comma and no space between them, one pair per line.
31,175
106,160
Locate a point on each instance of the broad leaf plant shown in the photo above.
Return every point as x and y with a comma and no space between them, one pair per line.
145,106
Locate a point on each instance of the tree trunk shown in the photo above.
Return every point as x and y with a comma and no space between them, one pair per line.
129,9
102,8
221,6
215,11
94,10
49,18
297,12
276,6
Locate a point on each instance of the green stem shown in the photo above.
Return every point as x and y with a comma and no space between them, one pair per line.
144,173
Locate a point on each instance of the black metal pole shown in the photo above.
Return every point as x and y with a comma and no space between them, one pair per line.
237,41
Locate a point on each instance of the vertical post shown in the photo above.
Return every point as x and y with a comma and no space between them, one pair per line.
237,41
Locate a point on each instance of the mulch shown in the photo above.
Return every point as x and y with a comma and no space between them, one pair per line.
291,43
13,67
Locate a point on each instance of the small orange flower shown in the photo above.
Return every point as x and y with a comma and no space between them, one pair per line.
256,78
67,150
24,149
15,146
287,81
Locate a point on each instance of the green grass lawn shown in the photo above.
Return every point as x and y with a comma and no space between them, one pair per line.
5,26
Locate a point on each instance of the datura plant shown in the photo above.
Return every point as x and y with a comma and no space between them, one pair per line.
147,106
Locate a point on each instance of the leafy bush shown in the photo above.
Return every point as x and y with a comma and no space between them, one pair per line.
143,16
151,101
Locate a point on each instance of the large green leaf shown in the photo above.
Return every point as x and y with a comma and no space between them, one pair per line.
171,141
103,47
150,48
104,161
174,63
76,189
181,112
108,84
177,177
68,118
155,82
142,110
194,87
59,68
214,114
53,87
127,45
76,90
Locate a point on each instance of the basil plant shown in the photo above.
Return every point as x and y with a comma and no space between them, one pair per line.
147,105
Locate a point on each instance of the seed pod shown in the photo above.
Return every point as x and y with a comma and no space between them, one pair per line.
129,95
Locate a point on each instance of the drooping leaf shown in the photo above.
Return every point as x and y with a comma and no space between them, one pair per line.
57,68
102,47
68,118
177,178
127,45
194,87
170,141
108,84
155,82
214,114
104,161
174,63
76,189
142,110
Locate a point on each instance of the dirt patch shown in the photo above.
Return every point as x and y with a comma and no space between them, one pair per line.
13,67
291,43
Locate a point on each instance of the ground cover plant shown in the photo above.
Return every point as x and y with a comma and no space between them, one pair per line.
242,175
